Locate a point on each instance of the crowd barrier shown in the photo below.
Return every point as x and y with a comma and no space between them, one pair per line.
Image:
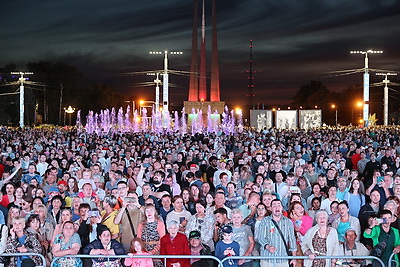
25,254
305,258
220,262
391,261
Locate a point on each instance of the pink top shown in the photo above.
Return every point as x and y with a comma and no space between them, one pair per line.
139,262
306,223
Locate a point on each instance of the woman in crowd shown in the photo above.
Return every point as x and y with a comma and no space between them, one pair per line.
346,221
243,235
66,215
301,223
13,212
105,246
323,185
67,243
19,193
326,203
315,207
175,243
137,249
304,186
320,240
187,204
315,192
108,215
72,189
150,231
88,227
20,241
8,194
209,199
204,224
355,197
54,214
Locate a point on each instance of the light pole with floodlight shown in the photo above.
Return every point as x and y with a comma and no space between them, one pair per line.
366,82
165,76
335,107
386,97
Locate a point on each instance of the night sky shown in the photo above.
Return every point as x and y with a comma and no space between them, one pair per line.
295,41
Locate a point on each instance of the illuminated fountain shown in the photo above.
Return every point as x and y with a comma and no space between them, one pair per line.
159,122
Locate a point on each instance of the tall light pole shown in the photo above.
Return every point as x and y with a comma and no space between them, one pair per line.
366,82
386,97
70,110
21,96
335,107
165,76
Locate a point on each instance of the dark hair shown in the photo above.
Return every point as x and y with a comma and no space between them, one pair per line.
84,205
383,212
344,202
291,207
31,218
101,228
221,211
57,197
201,202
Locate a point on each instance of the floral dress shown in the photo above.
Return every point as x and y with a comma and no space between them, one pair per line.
67,261
320,243
151,239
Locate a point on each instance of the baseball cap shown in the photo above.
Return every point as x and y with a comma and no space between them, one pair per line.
62,182
194,234
54,190
227,229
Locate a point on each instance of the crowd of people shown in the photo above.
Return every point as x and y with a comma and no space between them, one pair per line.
327,192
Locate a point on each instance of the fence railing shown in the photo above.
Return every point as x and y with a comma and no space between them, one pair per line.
163,257
391,260
221,262
25,254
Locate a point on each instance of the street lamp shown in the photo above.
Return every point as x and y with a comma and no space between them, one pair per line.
335,107
165,75
21,96
70,110
358,104
386,97
366,82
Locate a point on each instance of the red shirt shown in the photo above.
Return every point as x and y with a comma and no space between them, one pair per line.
177,246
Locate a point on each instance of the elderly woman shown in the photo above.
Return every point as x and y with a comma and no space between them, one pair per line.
20,241
67,243
243,235
175,243
346,221
320,240
105,246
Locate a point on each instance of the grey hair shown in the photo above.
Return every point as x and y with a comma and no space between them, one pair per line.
237,211
111,200
320,212
172,223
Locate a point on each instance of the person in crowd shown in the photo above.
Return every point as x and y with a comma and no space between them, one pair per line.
320,240
368,210
67,243
137,248
3,240
244,236
20,241
179,214
150,231
272,242
129,216
175,243
227,247
204,224
351,247
106,246
326,203
221,219
108,215
66,215
345,221
381,231
197,247
355,197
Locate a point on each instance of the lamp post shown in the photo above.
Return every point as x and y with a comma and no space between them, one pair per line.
70,110
165,76
386,97
21,97
335,107
358,104
366,82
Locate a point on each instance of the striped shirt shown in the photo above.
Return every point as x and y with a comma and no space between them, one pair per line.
267,234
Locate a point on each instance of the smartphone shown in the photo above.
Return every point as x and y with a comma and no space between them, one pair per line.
381,220
297,223
146,165
294,189
181,219
93,213
380,179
